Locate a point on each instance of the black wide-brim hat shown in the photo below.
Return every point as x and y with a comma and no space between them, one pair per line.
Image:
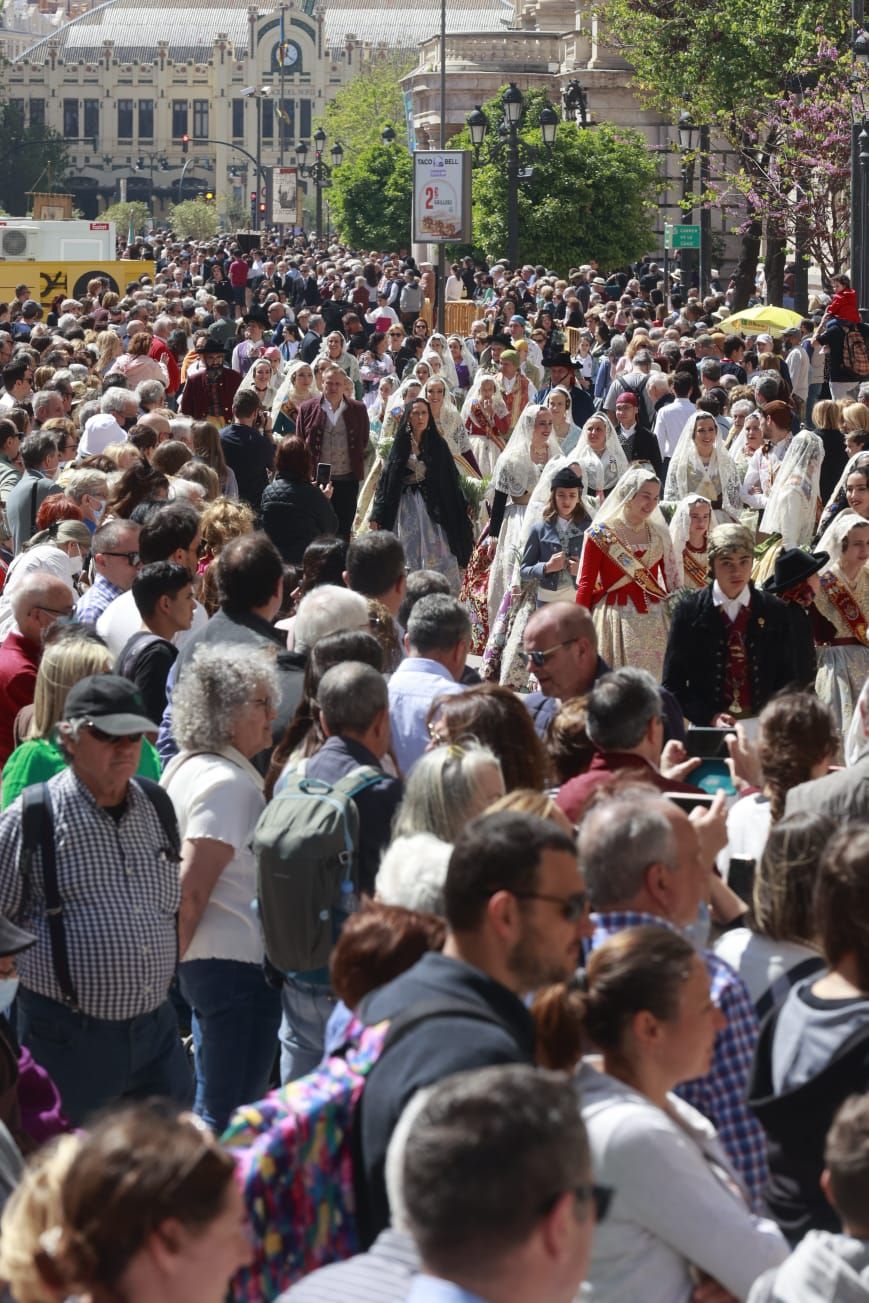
794,566
560,359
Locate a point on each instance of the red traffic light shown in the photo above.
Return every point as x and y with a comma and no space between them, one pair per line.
253,196
185,141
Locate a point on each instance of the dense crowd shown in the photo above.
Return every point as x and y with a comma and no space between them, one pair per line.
492,703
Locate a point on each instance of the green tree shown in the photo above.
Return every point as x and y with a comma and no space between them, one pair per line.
591,196
31,158
122,214
194,219
367,104
727,65
370,197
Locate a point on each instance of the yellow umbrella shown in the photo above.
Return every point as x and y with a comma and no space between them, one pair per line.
764,318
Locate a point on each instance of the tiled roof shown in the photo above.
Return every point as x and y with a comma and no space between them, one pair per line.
191,25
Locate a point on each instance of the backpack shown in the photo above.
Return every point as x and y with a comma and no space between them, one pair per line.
297,1158
125,665
855,355
37,833
305,845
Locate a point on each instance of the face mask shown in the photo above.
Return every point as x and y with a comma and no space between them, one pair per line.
8,992
98,510
698,931
75,564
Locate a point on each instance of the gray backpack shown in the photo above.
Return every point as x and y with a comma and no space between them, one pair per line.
305,844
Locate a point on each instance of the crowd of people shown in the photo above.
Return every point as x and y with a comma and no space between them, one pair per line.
492,703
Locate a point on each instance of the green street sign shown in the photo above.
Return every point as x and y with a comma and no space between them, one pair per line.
685,237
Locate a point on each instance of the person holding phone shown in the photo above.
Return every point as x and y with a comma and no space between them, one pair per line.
294,510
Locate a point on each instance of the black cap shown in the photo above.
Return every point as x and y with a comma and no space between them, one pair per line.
566,479
113,703
14,939
793,566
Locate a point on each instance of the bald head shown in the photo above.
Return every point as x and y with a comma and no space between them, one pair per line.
39,600
159,424
566,636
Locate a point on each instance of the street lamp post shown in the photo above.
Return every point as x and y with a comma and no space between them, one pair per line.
859,179
258,93
478,125
687,131
318,171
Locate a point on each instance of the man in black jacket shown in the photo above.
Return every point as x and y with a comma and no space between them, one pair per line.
729,649
313,339
249,453
516,913
638,442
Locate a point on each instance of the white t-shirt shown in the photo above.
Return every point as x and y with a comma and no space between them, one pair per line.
121,619
220,796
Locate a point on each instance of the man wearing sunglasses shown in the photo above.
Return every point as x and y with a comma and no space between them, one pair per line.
93,1002
516,916
116,563
38,600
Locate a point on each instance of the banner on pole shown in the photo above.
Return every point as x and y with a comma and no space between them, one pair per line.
441,196
285,196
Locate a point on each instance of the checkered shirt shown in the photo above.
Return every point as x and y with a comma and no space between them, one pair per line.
119,883
95,599
721,1095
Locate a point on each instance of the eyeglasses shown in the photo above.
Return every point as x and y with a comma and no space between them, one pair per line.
131,558
265,702
573,907
114,738
600,1195
52,610
539,658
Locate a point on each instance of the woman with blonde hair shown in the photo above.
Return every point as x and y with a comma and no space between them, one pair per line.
446,787
35,1210
67,659
137,365
208,448
221,520
110,349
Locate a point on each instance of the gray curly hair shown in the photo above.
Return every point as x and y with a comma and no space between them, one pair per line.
218,684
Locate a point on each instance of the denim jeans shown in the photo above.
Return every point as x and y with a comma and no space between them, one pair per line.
306,1010
235,1029
95,1062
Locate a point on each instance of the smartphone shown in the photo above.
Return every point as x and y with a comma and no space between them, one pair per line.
324,472
740,876
706,742
712,776
689,801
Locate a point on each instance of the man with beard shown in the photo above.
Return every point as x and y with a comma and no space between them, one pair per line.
208,393
516,914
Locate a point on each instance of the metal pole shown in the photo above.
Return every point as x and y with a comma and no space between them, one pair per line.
705,216
857,232
513,197
801,260
318,184
259,150
686,256
863,269
440,283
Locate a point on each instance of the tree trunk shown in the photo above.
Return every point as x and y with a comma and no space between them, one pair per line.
774,266
746,269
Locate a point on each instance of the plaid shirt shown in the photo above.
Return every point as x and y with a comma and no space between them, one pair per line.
119,885
95,599
721,1094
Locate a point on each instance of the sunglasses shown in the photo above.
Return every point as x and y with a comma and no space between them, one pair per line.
131,558
573,907
114,738
539,658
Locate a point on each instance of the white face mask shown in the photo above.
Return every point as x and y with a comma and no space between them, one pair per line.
75,564
8,992
98,508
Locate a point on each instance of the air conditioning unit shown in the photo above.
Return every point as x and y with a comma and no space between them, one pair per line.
19,243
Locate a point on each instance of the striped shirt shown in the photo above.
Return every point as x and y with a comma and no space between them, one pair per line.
382,1275
119,884
720,1095
95,599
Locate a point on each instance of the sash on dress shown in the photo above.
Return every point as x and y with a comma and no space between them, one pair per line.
695,570
846,605
633,569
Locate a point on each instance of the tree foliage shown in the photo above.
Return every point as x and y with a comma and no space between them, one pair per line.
31,158
370,197
368,103
194,219
590,197
121,214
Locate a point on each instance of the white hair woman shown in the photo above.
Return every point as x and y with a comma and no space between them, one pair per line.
334,348
447,786
702,464
627,570
223,708
840,616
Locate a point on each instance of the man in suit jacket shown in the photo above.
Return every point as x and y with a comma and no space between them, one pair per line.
313,339
336,431
208,393
729,649
637,440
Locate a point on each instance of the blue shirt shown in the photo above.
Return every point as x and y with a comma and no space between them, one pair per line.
95,599
413,687
720,1096
433,1289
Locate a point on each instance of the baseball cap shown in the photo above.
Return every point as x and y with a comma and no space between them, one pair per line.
517,320
114,703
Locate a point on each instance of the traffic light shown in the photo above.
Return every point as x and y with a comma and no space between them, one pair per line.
262,208
209,195
253,196
185,142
